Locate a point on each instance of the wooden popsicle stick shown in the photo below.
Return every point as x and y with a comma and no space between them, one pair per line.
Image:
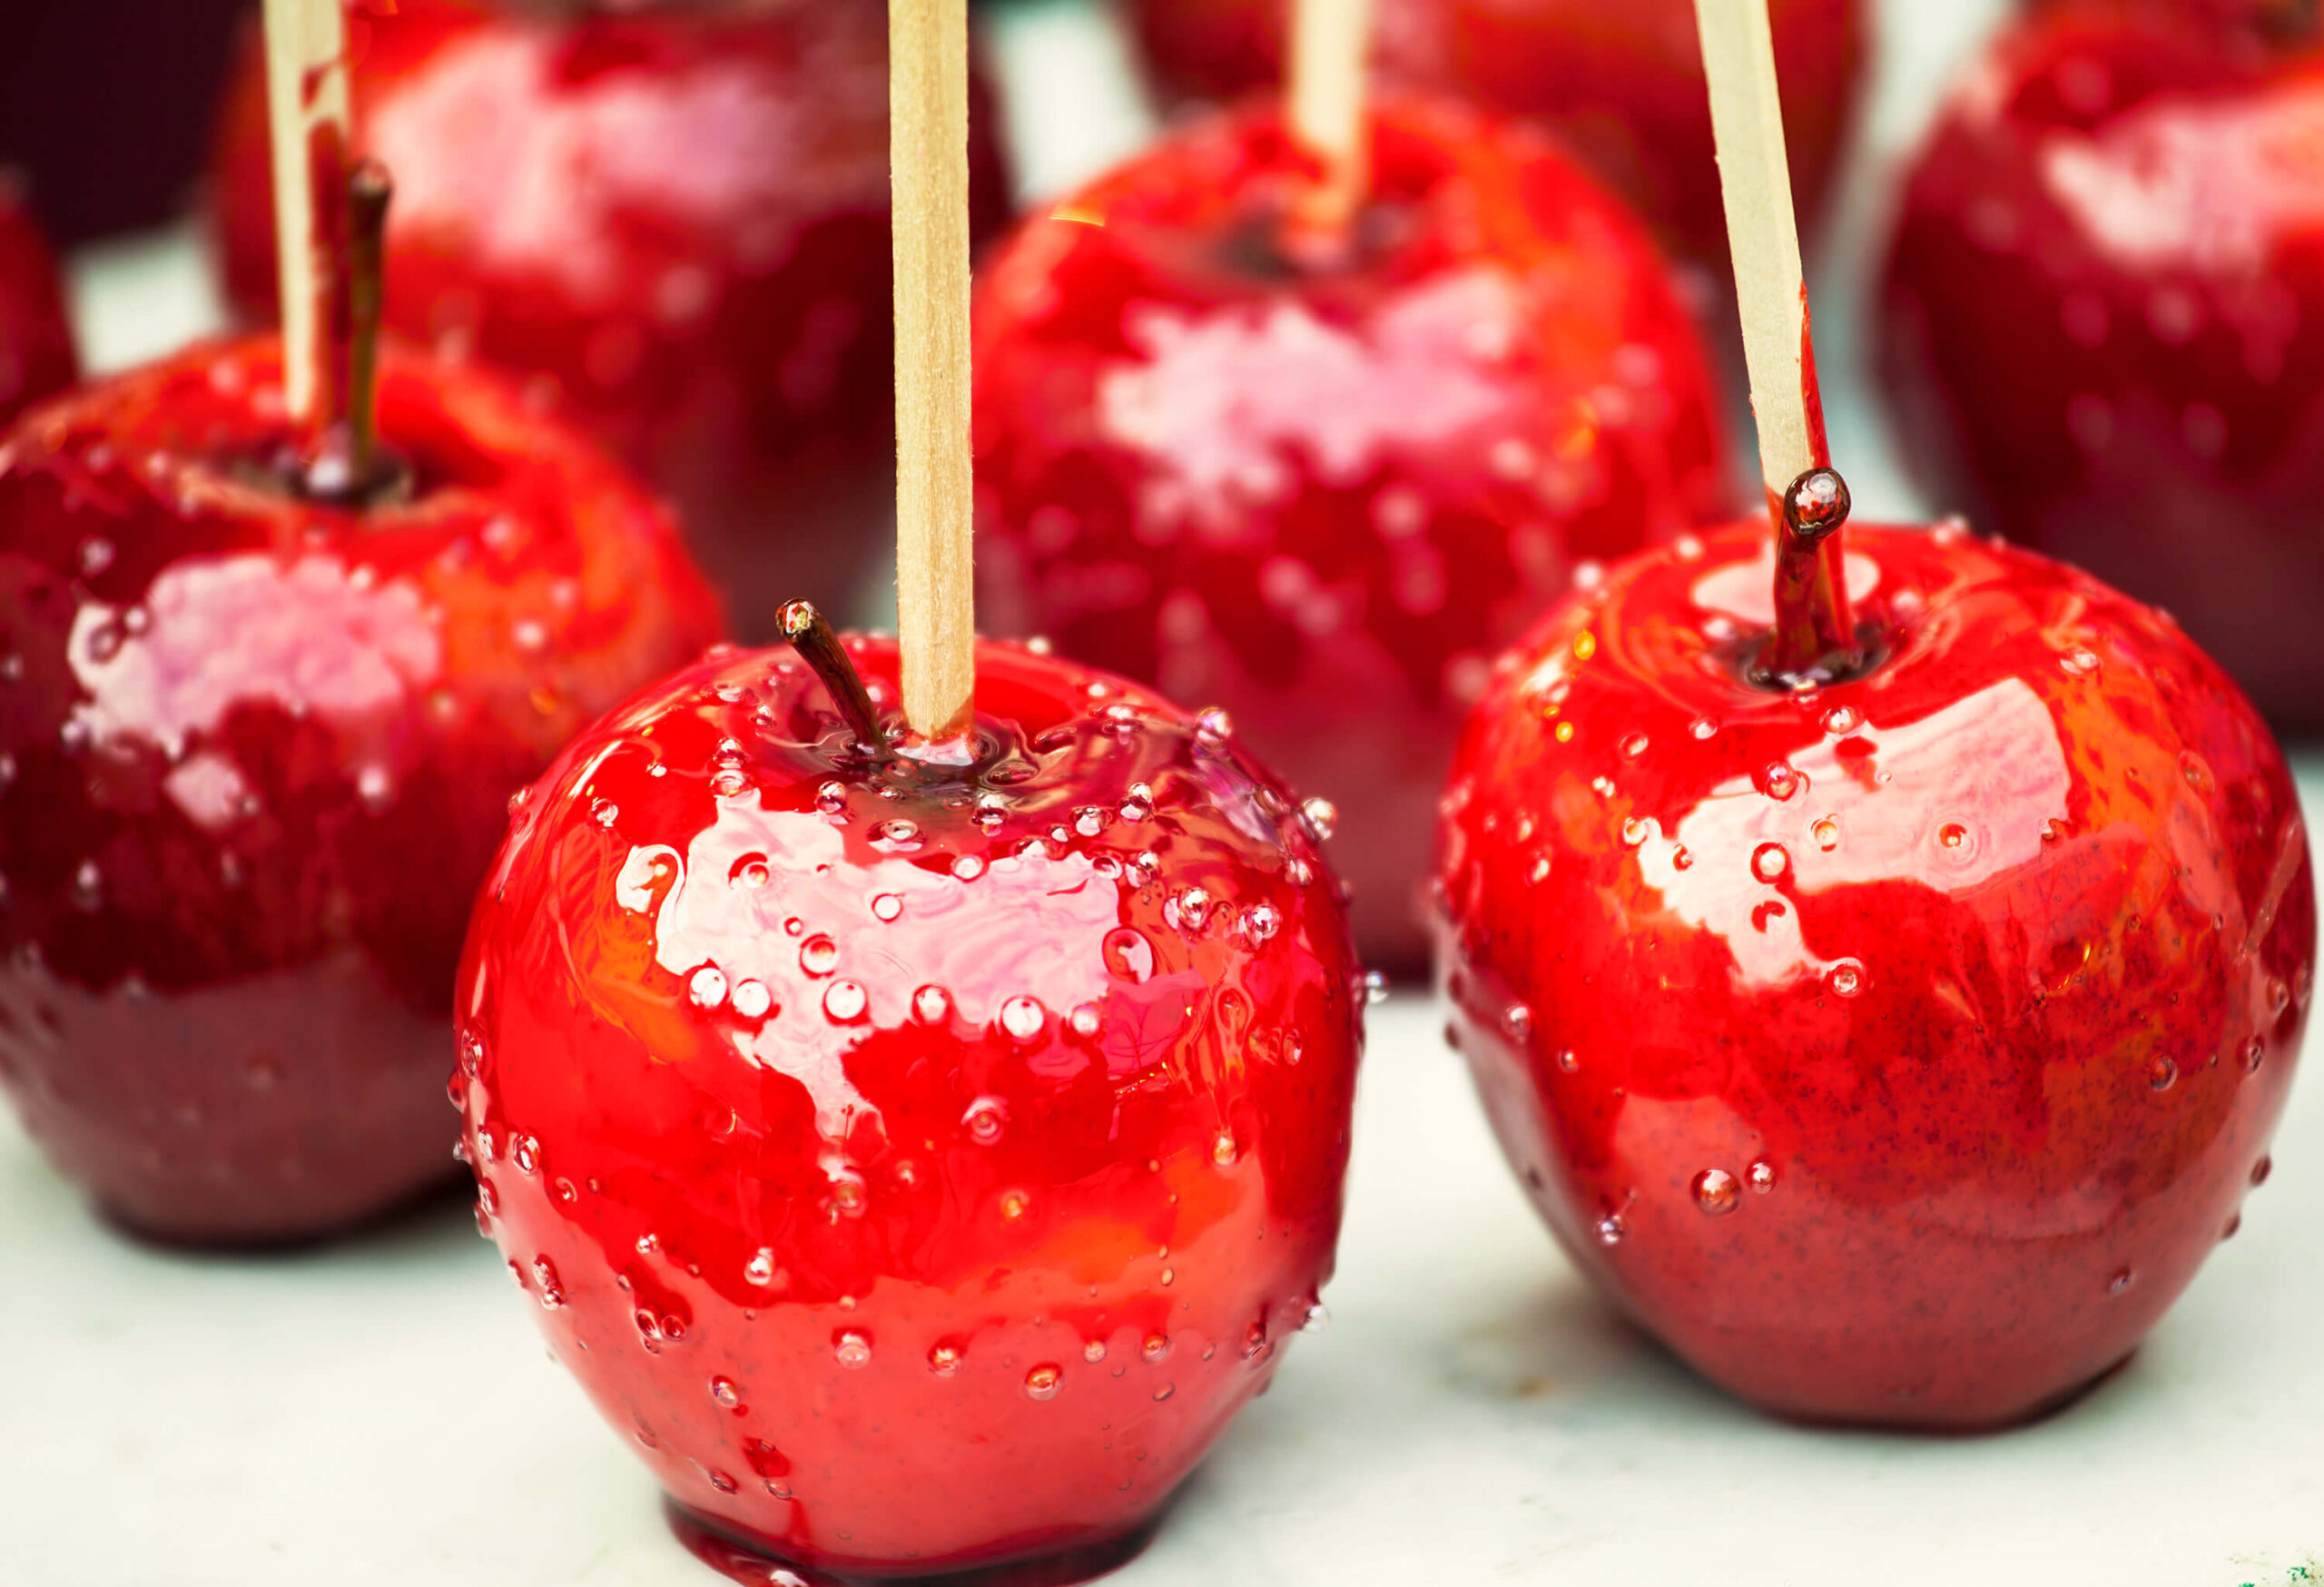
928,102
306,90
1746,120
1331,48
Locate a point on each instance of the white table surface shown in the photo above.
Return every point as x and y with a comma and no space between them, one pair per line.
383,1415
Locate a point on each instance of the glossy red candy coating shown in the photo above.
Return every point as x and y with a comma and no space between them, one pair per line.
36,354
255,754
1324,497
921,1165
1622,85
2104,325
1896,1054
673,219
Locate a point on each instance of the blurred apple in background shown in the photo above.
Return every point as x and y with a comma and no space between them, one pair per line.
1321,490
2104,319
36,355
256,749
671,221
1622,83
103,104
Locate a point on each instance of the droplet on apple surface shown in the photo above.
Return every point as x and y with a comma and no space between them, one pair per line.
707,987
1023,1018
986,1117
1716,1192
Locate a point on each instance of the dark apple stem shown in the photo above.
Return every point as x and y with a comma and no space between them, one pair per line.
368,190
329,187
346,463
818,645
1815,633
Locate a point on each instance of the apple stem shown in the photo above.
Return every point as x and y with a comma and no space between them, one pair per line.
1806,500
1331,43
368,192
812,637
927,102
347,463
307,124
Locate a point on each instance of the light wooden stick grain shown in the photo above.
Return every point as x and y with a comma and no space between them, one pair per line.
306,89
1747,119
1331,48
928,99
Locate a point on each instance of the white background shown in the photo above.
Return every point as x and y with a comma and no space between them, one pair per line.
382,1414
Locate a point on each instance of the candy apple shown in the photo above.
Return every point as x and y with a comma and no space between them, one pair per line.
1894,1045
673,218
36,354
2279,18
920,1159
1323,490
255,752
2104,322
1621,85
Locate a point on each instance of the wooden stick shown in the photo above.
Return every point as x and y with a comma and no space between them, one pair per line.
306,89
1331,47
928,104
1814,631
1747,119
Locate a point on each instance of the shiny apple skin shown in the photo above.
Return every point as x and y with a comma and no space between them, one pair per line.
36,356
258,754
1326,498
1986,1024
1621,85
2104,325
671,221
756,1220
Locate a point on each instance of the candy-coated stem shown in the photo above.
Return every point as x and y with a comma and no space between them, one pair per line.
928,100
307,113
1813,631
1331,43
812,637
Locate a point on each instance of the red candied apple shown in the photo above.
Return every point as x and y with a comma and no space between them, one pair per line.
921,1161
1896,1049
2105,323
672,217
1621,85
255,754
2277,18
1323,490
36,355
